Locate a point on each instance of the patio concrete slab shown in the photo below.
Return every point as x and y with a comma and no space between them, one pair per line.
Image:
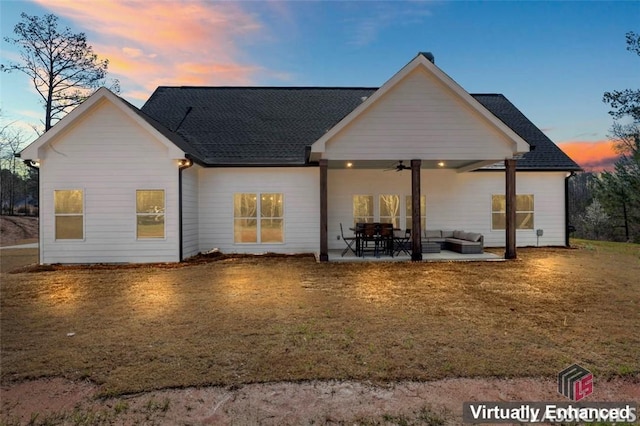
443,256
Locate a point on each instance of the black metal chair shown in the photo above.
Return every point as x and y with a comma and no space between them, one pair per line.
349,241
386,238
403,242
369,239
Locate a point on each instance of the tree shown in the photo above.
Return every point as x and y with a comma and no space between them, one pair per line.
626,102
619,191
18,183
62,66
596,221
580,197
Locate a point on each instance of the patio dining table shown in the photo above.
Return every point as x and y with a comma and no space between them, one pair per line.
383,239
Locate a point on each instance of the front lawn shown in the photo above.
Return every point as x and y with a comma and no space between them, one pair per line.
251,320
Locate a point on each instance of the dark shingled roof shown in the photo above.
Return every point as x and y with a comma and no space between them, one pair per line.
544,154
252,125
224,126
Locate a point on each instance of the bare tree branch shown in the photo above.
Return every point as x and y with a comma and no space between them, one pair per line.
63,68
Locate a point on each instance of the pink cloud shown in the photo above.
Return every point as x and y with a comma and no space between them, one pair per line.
148,43
593,156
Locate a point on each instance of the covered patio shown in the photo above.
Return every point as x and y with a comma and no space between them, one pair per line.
433,130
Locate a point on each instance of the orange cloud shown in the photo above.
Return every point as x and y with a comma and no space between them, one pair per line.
158,42
592,156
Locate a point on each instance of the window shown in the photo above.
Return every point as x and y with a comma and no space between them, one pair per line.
150,213
423,212
69,214
390,209
524,211
246,226
362,208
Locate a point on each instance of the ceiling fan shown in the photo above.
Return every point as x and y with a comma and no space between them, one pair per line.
398,167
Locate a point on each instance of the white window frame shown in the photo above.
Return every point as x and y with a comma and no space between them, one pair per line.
163,214
398,215
369,219
258,218
532,212
56,215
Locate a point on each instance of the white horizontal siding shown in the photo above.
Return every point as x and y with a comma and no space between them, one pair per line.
109,156
454,201
419,118
300,187
190,236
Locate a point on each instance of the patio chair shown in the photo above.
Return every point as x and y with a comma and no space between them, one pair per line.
370,235
402,242
386,238
349,241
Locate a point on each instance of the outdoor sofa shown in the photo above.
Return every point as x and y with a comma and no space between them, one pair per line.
458,241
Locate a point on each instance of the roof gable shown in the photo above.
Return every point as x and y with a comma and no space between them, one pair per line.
33,150
423,62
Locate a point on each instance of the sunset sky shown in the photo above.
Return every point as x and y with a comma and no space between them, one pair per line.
553,60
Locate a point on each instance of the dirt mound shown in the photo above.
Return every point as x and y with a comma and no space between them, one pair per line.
18,230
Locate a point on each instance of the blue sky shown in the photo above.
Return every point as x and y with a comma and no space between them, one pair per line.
553,60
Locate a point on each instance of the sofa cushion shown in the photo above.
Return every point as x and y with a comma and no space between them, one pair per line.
447,234
472,236
462,242
432,233
458,234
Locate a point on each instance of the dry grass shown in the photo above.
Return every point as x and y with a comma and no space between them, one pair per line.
18,230
260,320
12,259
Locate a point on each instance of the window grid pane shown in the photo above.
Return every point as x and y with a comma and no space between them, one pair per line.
246,226
68,211
271,230
69,227
390,209
524,211
271,205
150,213
245,205
245,230
362,209
150,201
68,201
524,203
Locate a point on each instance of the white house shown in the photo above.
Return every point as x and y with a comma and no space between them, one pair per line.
264,169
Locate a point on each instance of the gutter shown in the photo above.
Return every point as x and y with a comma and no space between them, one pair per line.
182,165
566,209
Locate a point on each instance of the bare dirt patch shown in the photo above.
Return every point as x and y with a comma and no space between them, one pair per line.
57,401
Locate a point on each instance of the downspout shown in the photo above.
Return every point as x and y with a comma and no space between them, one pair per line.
566,208
182,165
35,166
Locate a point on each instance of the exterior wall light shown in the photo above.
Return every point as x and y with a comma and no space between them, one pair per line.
440,163
184,163
349,164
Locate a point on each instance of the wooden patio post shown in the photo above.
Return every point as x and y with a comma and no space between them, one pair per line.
510,198
324,246
416,231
